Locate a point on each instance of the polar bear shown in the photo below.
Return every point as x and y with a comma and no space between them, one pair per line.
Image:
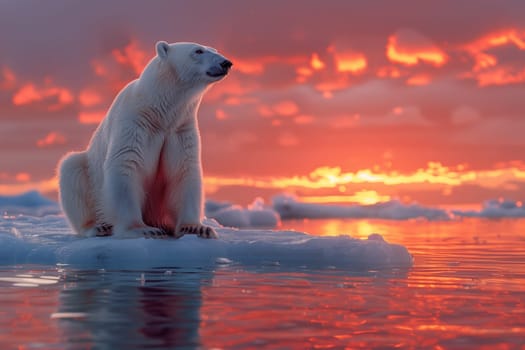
141,174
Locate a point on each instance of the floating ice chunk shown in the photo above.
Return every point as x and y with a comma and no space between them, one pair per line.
223,261
212,206
232,216
257,215
289,207
71,315
47,241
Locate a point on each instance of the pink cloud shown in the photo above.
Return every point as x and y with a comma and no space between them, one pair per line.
93,117
89,97
7,79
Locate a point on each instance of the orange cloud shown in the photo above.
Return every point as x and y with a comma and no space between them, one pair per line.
220,114
23,177
303,73
325,74
30,93
487,70
117,69
506,37
249,66
132,56
388,72
236,88
257,65
411,48
316,63
303,119
89,97
286,108
350,62
329,85
500,76
239,100
53,138
94,117
418,80
99,68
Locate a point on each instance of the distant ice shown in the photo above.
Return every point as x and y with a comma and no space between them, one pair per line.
257,215
289,207
31,203
495,208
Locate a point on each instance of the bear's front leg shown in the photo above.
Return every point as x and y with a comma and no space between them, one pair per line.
186,205
124,199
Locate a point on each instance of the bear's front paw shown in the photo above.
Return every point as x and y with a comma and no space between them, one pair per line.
155,232
142,231
171,232
103,230
201,231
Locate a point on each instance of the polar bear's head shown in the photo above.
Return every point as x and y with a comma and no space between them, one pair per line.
193,63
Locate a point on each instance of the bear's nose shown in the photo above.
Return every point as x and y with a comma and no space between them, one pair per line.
226,64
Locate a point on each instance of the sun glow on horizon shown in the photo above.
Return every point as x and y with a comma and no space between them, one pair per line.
435,175
364,197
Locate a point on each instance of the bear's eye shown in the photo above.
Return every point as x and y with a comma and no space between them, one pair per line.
199,51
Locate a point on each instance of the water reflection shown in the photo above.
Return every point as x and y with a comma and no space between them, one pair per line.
155,309
466,290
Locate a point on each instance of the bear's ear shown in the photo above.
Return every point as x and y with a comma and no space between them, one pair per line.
162,49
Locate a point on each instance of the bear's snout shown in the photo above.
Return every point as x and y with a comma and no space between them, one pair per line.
220,69
226,64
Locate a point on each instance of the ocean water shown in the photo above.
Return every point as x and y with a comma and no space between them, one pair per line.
465,290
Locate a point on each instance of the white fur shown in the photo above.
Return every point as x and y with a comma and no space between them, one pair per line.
142,169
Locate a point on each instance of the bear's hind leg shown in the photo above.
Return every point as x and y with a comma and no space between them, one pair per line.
75,196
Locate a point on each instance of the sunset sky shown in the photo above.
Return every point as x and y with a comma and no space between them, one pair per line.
335,101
